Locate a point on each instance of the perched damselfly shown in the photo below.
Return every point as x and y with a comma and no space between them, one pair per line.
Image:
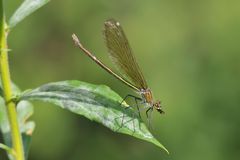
121,55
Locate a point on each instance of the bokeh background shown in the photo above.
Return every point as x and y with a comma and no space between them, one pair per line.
189,52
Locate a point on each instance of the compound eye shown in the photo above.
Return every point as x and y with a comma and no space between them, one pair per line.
158,104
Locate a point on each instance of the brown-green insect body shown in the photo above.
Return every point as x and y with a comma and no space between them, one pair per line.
121,54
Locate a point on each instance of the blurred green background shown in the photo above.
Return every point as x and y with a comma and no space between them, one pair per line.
190,55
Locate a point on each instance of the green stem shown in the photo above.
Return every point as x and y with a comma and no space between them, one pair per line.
6,83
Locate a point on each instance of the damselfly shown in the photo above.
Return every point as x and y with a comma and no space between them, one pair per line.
121,55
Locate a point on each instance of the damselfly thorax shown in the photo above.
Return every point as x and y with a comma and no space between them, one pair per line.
147,97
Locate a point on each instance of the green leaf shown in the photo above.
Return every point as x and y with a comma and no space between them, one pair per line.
7,149
95,102
24,111
25,9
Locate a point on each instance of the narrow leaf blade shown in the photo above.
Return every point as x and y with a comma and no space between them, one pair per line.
24,111
95,102
6,148
25,9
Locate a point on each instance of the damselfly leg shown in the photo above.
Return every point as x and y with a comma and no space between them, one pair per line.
134,114
149,116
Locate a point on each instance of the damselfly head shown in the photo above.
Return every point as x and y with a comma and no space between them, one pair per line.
158,107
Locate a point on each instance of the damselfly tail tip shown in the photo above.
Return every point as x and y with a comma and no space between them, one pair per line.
76,40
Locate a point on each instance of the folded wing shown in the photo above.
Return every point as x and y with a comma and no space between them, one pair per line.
121,54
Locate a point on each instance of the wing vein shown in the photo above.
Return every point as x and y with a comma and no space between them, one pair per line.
121,54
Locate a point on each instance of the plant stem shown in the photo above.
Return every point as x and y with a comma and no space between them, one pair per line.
6,83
